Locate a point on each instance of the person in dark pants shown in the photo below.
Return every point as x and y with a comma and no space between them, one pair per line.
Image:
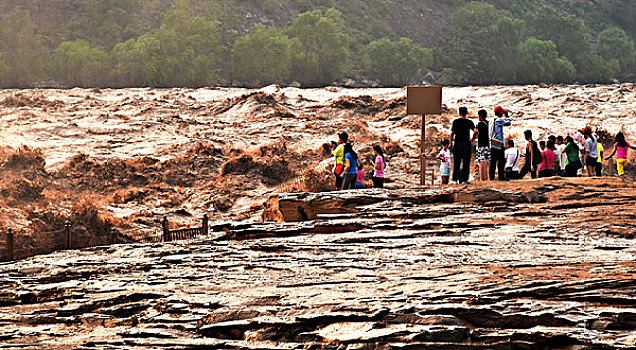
591,152
460,143
533,157
599,165
497,149
338,153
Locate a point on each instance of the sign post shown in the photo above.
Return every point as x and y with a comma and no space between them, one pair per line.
423,100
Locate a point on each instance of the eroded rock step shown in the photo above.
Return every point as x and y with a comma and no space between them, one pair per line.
392,274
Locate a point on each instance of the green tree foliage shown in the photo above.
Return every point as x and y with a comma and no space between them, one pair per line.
186,42
540,63
592,68
263,56
76,63
615,44
183,52
137,62
568,33
570,36
483,47
109,21
396,63
21,50
324,51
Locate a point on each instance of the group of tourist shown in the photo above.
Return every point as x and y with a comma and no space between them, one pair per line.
349,168
579,152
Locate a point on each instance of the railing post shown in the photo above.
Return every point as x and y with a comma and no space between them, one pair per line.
422,153
164,228
10,245
205,224
67,232
111,235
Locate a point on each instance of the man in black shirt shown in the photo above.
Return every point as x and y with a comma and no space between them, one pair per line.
483,146
460,142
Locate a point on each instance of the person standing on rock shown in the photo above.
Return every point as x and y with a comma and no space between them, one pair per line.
350,168
378,167
483,145
548,158
621,149
573,163
461,144
445,157
557,153
562,156
533,157
513,156
591,152
497,152
339,154
599,163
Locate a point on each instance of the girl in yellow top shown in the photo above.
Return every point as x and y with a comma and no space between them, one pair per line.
339,154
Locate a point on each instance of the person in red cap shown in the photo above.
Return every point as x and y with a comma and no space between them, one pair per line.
497,141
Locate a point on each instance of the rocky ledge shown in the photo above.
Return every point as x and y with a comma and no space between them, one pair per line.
521,265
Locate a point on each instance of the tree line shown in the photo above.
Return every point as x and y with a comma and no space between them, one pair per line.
484,45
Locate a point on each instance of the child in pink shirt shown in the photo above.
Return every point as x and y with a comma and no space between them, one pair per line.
360,178
378,167
621,149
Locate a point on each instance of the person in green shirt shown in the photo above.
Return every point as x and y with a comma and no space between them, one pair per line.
573,162
338,153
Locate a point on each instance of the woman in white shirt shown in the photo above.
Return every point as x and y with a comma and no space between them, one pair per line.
513,156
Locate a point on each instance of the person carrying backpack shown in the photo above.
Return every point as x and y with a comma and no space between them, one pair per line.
533,157
497,149
513,155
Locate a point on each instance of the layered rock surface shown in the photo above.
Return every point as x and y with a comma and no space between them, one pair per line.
519,265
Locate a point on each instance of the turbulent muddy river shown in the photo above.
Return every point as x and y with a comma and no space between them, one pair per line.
530,264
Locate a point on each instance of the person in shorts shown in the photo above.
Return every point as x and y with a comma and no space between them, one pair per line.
445,157
591,152
483,146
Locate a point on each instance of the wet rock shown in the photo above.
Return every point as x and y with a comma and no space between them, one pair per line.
395,269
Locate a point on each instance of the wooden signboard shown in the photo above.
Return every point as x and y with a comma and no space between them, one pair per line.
424,100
